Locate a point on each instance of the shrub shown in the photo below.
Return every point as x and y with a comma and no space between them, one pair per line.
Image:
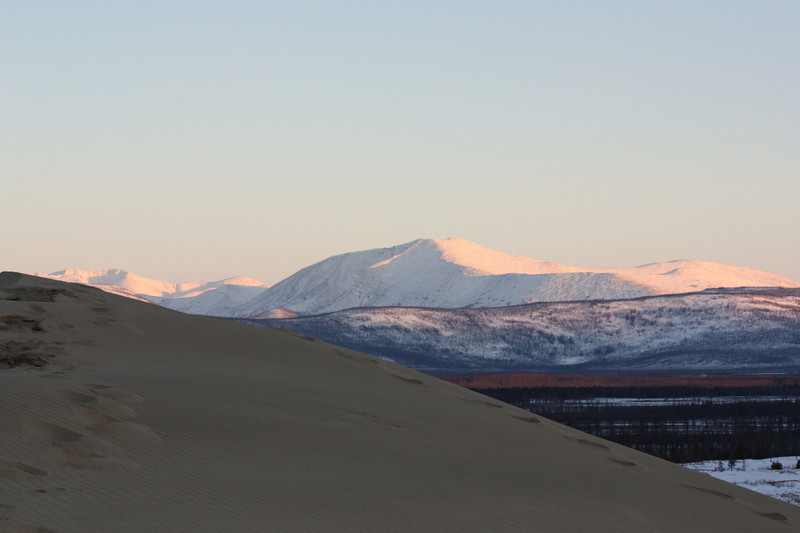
776,465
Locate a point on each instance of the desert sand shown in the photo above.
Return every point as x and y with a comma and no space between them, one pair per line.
118,415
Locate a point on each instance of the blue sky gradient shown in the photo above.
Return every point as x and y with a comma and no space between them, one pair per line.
201,140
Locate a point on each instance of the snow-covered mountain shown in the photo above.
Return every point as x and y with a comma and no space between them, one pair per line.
436,273
453,273
223,300
216,298
710,331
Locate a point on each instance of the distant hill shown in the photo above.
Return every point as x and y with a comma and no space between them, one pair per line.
743,330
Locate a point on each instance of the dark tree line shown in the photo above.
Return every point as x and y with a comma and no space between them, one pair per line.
703,425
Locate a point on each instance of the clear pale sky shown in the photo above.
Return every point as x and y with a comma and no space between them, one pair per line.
201,140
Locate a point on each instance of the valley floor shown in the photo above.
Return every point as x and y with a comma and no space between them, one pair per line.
681,419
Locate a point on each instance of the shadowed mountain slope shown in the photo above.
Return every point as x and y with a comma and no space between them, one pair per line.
719,330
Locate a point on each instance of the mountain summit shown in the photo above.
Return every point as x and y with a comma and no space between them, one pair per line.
475,259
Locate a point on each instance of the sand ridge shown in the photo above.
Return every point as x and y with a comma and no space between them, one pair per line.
150,420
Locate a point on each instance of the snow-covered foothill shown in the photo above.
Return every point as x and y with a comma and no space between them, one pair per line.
710,331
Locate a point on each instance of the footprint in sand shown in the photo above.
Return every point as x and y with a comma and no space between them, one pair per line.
27,528
773,516
85,452
7,514
413,381
716,493
103,422
112,393
603,448
102,415
622,462
112,428
19,471
106,417
70,445
530,419
589,443
97,404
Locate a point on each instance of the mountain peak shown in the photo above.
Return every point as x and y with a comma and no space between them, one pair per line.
476,260
483,261
245,281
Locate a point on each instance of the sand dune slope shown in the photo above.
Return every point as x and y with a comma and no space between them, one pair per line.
117,415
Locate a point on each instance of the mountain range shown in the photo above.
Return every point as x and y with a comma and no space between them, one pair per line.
437,273
453,307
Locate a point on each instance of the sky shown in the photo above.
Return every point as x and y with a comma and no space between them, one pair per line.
195,141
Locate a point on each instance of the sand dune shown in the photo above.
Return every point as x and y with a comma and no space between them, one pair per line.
116,415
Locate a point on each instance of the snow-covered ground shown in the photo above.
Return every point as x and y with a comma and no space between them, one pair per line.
758,475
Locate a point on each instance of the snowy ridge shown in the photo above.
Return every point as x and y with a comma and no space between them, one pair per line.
223,300
455,273
113,289
204,298
674,277
118,278
710,331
